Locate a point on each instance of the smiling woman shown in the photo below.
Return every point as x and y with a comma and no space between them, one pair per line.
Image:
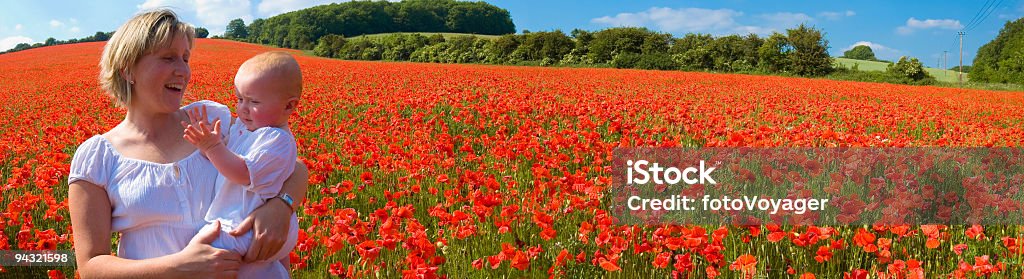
143,180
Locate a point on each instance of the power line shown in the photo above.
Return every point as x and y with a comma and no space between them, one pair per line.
978,14
982,20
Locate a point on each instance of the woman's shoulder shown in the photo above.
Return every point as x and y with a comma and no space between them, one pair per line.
94,143
92,161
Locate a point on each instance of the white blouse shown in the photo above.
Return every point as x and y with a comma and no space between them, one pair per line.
156,207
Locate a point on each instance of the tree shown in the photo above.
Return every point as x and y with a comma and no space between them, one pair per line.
236,29
860,52
499,51
1001,60
100,36
693,51
810,51
908,68
329,45
50,41
772,55
202,32
613,41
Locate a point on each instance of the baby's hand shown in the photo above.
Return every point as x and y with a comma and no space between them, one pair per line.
198,133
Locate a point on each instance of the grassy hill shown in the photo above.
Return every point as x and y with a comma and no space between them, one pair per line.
428,34
864,65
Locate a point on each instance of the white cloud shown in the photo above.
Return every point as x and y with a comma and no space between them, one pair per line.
56,23
177,5
213,15
11,42
786,20
698,20
18,27
75,29
676,20
881,51
914,24
836,15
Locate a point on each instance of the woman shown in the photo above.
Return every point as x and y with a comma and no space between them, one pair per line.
144,180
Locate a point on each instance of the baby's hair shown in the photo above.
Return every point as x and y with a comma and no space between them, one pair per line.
140,35
277,64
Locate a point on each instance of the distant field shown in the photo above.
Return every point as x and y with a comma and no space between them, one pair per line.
446,35
864,65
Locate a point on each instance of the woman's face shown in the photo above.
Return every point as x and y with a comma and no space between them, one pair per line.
161,77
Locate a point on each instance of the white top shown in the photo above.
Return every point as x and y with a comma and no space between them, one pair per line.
157,208
269,154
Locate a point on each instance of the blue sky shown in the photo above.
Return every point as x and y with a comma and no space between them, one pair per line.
922,29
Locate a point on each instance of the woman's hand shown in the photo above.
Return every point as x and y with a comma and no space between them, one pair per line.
269,224
200,260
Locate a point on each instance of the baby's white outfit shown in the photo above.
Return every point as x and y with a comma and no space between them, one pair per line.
269,154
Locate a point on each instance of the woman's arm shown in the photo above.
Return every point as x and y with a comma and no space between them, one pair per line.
270,222
90,217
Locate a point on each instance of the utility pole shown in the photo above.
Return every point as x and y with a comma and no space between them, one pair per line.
960,70
945,65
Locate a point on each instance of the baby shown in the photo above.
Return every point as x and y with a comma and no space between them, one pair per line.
255,156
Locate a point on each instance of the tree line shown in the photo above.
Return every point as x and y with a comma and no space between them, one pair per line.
800,51
303,29
100,36
1002,59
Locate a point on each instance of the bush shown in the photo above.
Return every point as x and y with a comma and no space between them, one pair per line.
656,61
908,68
329,45
625,60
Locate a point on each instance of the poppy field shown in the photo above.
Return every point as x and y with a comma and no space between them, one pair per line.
476,171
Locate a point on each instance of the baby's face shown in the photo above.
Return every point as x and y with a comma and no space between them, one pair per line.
262,101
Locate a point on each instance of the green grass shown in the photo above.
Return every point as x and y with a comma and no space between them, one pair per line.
864,65
428,34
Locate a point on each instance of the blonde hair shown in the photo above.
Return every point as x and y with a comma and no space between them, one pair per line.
140,35
278,64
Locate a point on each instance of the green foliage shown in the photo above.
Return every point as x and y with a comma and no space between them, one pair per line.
860,52
843,73
303,29
542,45
202,32
908,68
652,61
329,45
399,47
499,51
772,54
460,49
236,29
1002,59
693,52
478,18
967,68
734,53
810,52
612,41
